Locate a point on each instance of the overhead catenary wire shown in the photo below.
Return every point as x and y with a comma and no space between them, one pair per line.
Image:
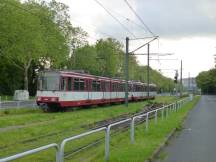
92,28
130,20
128,4
39,16
116,19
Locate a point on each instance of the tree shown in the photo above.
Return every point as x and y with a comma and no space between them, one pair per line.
85,58
206,80
11,77
37,32
109,51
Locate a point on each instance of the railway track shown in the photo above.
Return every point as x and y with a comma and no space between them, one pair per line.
116,130
92,126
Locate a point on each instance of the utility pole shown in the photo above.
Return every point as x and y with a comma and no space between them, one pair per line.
188,81
181,80
176,82
148,80
126,63
126,71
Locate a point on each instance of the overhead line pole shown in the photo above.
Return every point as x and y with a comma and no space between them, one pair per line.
181,80
148,80
126,71
127,53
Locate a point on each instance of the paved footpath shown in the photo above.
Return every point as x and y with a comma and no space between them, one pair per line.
197,141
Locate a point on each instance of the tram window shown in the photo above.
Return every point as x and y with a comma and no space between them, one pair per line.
40,83
76,84
103,86
98,85
94,86
107,86
63,84
88,86
118,87
69,84
145,88
44,81
113,87
82,85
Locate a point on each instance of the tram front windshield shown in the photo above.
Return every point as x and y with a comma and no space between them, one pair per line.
48,81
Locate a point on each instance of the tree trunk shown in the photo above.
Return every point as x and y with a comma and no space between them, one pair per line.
26,67
26,78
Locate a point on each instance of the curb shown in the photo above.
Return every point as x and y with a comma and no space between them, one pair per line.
158,150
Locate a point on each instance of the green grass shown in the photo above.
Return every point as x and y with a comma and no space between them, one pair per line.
122,150
19,126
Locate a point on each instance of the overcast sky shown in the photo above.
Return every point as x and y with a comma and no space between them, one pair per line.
186,28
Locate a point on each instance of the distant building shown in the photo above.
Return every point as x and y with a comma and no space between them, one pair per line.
189,84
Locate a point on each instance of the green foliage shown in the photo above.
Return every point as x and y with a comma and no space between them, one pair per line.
7,82
106,58
164,84
107,51
33,128
34,35
206,80
85,58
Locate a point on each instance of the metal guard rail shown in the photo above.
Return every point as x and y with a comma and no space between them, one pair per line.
39,149
60,150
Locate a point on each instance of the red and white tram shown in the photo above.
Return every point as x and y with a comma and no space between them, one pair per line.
61,89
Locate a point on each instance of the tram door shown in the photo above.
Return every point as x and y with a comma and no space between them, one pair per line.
116,89
89,88
107,90
103,89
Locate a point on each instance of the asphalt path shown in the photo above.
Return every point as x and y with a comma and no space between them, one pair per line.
197,141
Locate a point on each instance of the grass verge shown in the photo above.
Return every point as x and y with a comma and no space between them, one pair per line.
19,128
121,150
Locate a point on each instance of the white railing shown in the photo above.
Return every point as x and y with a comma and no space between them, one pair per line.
167,109
39,149
17,104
